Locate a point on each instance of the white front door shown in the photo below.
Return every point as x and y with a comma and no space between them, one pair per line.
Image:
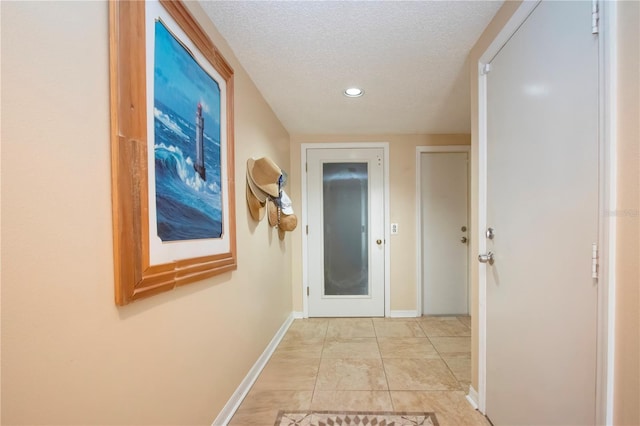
443,187
345,210
542,203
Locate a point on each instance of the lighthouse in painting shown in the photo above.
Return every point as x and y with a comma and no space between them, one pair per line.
199,164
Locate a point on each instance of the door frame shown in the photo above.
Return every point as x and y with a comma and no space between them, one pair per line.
607,201
430,149
304,147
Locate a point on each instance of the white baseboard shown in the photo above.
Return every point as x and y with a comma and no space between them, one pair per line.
472,397
297,314
236,399
403,314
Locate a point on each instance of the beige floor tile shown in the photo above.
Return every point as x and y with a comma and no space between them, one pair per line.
294,339
452,355
308,329
288,374
348,363
419,374
444,326
350,328
361,347
260,408
352,401
406,347
297,348
447,345
461,368
465,319
351,374
395,319
451,408
398,328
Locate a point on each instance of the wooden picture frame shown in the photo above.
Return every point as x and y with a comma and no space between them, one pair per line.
144,267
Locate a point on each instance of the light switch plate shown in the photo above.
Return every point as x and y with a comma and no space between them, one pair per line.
394,228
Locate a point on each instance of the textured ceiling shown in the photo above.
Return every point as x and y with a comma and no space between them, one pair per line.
408,56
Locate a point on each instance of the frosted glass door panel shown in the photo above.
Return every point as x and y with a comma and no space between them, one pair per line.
345,232
346,257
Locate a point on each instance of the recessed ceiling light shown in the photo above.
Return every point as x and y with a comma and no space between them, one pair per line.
353,92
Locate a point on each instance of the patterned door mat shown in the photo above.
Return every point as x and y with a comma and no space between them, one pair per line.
354,418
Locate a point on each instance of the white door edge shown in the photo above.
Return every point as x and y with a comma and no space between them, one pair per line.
304,147
607,221
419,151
608,201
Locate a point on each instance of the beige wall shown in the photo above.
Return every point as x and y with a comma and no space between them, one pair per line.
627,333
69,355
402,183
627,359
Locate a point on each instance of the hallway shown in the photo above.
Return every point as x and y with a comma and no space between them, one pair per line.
367,364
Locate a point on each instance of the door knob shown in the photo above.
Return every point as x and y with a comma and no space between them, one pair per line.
463,240
378,242
490,233
486,258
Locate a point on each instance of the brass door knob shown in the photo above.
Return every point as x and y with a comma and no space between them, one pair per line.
378,242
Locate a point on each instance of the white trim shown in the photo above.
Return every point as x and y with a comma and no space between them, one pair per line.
509,29
480,237
607,220
303,229
227,412
608,62
472,397
387,232
297,314
425,149
403,314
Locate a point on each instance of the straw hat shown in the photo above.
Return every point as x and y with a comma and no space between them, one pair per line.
256,208
272,212
288,223
257,192
265,174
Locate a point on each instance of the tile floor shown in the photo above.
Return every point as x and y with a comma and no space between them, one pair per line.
367,364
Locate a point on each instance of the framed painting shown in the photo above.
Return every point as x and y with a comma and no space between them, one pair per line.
172,155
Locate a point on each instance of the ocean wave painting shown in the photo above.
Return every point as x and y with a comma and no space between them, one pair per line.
186,143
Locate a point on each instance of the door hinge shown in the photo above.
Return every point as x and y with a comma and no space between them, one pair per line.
306,167
307,229
486,69
307,291
595,17
594,261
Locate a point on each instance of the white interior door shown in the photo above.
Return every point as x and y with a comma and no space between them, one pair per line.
542,202
444,198
345,202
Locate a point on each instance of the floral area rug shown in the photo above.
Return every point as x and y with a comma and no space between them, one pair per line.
354,418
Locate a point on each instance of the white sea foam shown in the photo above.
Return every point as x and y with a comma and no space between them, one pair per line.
166,120
186,172
214,188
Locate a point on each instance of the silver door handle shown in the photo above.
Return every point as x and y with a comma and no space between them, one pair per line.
490,233
486,258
